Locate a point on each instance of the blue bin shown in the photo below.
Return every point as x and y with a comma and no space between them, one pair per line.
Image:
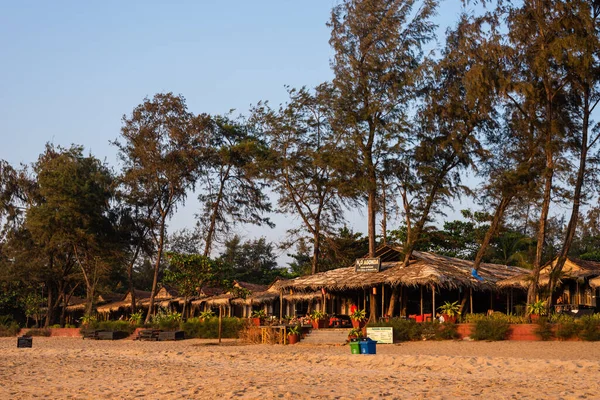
368,346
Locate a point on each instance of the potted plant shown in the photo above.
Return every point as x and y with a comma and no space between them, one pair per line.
318,319
535,310
205,315
450,311
358,318
355,334
258,317
293,334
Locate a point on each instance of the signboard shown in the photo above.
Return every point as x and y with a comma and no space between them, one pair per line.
368,264
383,335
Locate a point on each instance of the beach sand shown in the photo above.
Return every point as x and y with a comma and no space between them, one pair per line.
72,368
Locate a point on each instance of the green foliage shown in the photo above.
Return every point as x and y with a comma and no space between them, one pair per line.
316,315
189,272
8,327
490,329
209,329
359,315
450,309
293,330
356,332
537,308
206,314
544,329
136,318
88,321
567,329
116,326
259,313
409,330
589,329
252,261
166,319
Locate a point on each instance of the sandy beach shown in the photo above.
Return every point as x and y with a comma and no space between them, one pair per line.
71,368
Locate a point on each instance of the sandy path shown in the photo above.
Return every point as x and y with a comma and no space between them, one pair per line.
78,369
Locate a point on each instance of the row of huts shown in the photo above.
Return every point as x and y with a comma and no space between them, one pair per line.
390,289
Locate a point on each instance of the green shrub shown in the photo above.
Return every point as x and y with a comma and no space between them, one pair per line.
490,329
39,332
408,330
544,329
567,328
11,329
447,331
166,320
209,328
589,329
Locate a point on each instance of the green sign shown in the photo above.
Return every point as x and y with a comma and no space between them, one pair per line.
383,335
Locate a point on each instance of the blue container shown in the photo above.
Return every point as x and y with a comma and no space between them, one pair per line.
368,346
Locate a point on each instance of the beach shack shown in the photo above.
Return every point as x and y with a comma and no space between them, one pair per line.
385,287
577,288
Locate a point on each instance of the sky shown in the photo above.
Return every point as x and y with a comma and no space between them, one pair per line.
70,70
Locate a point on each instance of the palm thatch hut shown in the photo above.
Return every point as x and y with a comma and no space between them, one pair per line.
428,278
577,286
258,297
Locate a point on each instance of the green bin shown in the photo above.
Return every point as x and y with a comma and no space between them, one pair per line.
354,347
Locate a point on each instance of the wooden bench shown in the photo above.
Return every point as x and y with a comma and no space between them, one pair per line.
171,335
148,334
90,334
109,335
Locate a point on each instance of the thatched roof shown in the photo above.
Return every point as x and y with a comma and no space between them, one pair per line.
424,269
302,296
574,269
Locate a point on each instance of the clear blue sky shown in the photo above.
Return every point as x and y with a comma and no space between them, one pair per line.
70,70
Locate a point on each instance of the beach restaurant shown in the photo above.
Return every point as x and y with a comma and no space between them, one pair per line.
383,286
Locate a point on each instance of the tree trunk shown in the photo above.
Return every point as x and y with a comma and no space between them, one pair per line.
572,226
393,301
50,305
161,241
504,202
213,218
130,277
541,236
372,194
316,249
372,307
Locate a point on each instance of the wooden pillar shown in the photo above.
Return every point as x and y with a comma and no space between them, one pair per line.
280,306
382,300
491,300
421,299
364,299
471,299
433,302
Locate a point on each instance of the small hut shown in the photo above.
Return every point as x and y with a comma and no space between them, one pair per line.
577,286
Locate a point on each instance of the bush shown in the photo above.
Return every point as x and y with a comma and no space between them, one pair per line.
409,330
11,329
166,320
589,329
567,328
209,328
447,331
544,329
39,332
490,329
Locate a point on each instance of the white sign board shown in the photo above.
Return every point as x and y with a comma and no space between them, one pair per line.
383,335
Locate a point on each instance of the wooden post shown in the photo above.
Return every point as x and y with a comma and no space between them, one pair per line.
433,302
471,299
280,306
220,322
382,300
421,299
